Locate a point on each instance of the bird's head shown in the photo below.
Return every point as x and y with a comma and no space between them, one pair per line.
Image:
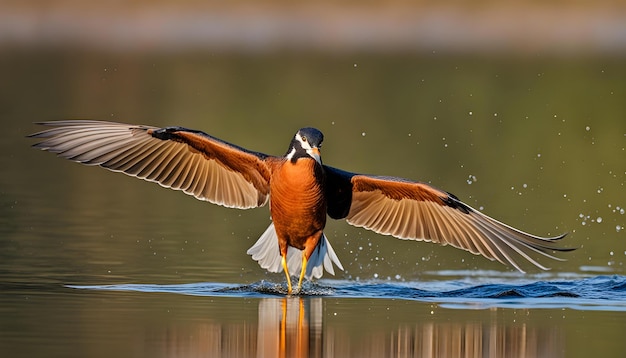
306,143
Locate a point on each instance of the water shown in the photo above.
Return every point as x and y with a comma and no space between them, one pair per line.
604,293
555,318
94,263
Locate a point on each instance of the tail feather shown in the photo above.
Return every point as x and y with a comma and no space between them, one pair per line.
266,252
323,255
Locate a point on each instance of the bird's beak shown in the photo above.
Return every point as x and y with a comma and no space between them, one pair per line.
315,153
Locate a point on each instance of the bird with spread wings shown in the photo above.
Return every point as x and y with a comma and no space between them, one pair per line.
301,190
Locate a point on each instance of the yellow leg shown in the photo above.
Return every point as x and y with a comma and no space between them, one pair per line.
304,262
284,262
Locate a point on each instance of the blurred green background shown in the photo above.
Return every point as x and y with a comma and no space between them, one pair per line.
506,106
518,108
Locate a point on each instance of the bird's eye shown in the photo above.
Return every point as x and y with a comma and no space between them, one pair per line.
304,139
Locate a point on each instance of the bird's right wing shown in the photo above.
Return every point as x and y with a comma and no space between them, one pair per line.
182,159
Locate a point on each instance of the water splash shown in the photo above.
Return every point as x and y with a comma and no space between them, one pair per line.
607,293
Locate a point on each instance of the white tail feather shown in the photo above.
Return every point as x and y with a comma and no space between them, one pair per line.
266,252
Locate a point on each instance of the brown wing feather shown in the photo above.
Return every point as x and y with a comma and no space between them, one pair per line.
175,157
412,210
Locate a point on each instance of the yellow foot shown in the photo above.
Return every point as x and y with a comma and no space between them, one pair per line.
304,262
284,263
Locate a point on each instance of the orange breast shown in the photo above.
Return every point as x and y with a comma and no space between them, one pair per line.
297,202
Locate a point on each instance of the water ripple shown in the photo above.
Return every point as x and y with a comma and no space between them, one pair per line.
607,293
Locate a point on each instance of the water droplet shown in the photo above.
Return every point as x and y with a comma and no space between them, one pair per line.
599,219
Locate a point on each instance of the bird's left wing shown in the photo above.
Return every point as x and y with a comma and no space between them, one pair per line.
413,210
182,159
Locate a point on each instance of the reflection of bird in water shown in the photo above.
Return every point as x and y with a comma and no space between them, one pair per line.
302,192
290,327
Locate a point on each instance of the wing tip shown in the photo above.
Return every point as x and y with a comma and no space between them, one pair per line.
558,238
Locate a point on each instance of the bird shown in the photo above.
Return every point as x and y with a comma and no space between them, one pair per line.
302,193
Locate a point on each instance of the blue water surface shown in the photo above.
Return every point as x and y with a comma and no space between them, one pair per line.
605,293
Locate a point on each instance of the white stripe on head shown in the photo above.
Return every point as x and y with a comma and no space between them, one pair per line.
309,150
300,145
304,143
